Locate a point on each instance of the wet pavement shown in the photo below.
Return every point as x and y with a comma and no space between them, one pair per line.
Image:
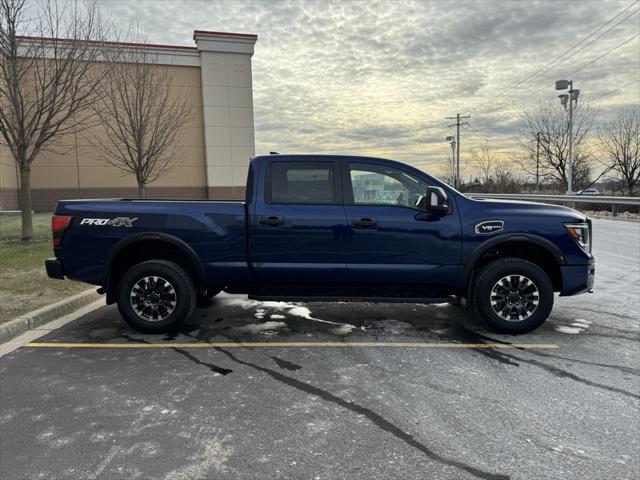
280,390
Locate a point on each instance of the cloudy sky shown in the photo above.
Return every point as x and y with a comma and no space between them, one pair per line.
380,77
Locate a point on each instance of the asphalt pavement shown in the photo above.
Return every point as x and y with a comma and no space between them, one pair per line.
347,391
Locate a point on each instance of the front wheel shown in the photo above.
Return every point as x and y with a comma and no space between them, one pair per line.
513,296
156,296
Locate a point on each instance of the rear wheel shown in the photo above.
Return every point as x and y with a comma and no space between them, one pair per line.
156,296
513,296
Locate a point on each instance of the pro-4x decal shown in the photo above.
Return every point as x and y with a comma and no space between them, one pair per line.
114,222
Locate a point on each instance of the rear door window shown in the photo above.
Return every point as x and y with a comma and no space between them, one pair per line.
302,183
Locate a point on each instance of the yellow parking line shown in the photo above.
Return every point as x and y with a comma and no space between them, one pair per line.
528,346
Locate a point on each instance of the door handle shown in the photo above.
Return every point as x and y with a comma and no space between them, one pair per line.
272,220
365,223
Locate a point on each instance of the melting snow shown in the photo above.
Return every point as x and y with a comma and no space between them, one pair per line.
261,327
570,330
577,326
290,308
579,322
304,312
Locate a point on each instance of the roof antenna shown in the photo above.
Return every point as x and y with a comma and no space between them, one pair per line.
274,153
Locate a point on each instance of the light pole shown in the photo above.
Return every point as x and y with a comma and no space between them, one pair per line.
456,167
569,98
538,160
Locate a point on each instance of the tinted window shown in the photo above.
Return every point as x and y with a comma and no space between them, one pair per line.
301,182
377,185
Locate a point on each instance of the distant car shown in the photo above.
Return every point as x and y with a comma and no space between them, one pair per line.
589,191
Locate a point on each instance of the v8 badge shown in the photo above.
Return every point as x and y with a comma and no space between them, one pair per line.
488,227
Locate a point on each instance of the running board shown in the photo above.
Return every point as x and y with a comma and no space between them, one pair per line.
355,299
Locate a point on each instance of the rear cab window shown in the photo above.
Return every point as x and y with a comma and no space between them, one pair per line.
312,182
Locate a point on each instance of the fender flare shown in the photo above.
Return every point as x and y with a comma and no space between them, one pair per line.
504,238
145,236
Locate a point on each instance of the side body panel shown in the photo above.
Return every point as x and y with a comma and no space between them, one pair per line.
531,222
521,218
307,247
215,231
405,246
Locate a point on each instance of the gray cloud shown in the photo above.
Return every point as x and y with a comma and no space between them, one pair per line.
380,77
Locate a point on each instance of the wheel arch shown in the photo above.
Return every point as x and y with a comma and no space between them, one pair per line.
527,247
149,246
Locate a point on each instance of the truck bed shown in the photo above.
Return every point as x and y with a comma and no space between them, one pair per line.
214,230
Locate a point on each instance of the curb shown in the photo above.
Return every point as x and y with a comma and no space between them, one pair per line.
36,318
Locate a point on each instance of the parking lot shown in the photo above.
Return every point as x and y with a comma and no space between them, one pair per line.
276,390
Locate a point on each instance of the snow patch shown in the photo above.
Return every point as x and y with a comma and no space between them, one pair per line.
304,312
285,307
569,330
277,305
342,330
260,327
577,326
239,302
579,322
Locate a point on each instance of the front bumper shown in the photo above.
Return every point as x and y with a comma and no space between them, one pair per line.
578,279
54,268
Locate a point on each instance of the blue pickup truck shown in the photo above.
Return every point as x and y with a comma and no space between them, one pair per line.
327,228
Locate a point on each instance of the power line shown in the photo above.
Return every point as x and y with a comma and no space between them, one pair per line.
616,90
603,55
556,62
520,99
551,65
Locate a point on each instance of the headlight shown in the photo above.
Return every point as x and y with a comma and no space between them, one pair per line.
580,233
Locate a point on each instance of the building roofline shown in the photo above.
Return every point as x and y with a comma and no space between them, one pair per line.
146,45
225,34
111,42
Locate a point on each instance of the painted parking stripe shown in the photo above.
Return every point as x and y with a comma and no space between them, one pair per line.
527,346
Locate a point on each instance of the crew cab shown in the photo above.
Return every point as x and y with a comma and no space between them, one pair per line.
327,228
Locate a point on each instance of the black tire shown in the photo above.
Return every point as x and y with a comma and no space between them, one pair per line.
170,277
512,289
204,297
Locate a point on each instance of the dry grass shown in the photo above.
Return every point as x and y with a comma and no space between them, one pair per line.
24,285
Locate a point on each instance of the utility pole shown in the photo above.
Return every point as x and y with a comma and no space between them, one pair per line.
452,141
569,98
457,125
538,161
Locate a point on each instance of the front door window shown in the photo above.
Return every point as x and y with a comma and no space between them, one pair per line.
378,185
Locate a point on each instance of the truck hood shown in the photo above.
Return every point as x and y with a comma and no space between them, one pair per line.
528,208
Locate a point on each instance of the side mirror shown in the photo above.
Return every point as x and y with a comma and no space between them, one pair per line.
436,200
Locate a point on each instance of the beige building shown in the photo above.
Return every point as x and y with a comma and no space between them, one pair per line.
215,146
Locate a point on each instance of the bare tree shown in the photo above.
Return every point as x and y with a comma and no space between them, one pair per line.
142,112
620,142
485,160
47,80
551,122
